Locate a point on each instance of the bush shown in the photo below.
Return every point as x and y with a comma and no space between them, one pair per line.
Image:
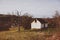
21,28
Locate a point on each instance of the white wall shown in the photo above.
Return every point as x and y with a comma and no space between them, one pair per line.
36,25
46,25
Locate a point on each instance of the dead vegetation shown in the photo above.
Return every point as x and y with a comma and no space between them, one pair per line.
46,34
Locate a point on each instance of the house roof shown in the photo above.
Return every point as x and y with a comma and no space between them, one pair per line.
40,19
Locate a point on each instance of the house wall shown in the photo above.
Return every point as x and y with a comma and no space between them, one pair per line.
46,25
42,25
36,25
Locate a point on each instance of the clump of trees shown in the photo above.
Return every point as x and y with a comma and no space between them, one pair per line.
23,20
26,20
16,20
56,19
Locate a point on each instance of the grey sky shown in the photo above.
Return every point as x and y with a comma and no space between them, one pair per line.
38,8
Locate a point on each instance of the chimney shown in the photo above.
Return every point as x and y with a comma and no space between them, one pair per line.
35,20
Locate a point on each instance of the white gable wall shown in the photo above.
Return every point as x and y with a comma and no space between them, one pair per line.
36,25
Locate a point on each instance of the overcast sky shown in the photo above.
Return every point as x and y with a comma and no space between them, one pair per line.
38,8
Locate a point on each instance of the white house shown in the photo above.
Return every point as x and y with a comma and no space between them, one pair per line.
38,24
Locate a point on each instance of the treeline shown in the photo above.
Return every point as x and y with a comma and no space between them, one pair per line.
8,21
55,20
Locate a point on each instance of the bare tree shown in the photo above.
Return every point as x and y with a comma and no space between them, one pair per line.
28,15
26,20
19,20
57,19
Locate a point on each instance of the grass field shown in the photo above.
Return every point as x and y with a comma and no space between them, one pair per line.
13,34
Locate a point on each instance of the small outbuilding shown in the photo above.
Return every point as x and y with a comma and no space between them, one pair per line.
39,23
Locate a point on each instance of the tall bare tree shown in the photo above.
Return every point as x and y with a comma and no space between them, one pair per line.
57,19
19,20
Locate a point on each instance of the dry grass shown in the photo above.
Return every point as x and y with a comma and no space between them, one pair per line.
27,35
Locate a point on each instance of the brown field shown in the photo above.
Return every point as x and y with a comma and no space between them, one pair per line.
13,34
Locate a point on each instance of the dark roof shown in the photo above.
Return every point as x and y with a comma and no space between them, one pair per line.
40,19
